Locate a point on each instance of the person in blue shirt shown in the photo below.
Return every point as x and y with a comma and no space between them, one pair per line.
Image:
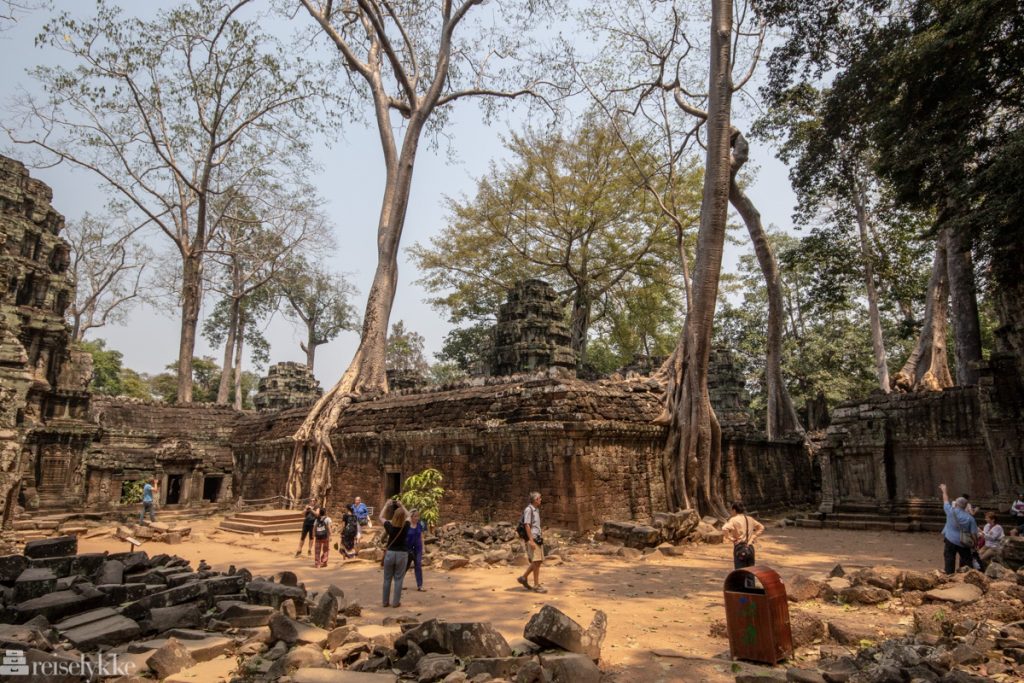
147,501
414,543
957,520
362,516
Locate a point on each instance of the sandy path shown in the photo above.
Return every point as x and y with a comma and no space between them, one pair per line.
656,602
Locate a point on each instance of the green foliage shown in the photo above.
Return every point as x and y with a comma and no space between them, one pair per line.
423,492
445,373
319,301
404,350
469,348
110,377
131,491
206,381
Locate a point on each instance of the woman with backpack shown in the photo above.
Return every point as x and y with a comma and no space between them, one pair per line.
742,530
349,531
322,538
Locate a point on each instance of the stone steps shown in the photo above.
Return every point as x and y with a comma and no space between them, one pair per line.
267,522
872,521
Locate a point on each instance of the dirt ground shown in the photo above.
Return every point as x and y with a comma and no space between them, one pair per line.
659,608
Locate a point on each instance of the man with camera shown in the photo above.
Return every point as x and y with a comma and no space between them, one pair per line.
534,544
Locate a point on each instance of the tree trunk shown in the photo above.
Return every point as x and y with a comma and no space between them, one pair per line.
191,300
366,372
310,348
224,388
964,298
692,462
237,369
874,318
782,417
580,325
926,369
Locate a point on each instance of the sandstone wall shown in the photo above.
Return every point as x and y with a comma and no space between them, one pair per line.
136,439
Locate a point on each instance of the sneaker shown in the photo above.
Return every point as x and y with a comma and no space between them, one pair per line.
310,552
297,553
540,589
523,582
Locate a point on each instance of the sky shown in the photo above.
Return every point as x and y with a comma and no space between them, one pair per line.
351,180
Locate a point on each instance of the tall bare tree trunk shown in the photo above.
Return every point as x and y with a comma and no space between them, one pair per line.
366,372
237,365
926,368
310,348
964,298
224,388
782,417
191,300
580,324
692,461
874,318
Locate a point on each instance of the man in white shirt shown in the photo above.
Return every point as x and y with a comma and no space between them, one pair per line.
742,530
534,545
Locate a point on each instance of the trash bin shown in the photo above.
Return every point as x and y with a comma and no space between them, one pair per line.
757,615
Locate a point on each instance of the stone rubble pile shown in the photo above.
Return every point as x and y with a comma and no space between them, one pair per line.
156,617
965,627
673,528
156,532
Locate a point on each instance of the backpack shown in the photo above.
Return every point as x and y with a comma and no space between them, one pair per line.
521,527
320,528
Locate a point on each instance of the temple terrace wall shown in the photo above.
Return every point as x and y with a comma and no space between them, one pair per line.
588,447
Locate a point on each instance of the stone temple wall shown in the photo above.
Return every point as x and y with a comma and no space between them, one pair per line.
187,447
588,447
888,453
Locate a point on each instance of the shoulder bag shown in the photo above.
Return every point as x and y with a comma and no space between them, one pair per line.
743,551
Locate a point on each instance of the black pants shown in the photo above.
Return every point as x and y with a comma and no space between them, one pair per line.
950,553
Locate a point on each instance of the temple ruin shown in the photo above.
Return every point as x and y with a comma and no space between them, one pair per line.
588,446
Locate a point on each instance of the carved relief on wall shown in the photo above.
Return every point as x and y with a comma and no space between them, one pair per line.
856,476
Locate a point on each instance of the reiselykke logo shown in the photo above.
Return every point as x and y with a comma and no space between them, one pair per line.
15,663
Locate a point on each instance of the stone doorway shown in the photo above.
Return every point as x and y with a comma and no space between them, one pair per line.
211,488
173,489
392,484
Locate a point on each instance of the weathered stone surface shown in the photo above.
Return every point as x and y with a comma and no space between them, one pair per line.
850,632
919,581
111,571
60,604
806,627
434,667
325,612
33,583
108,631
123,592
801,588
11,566
318,675
287,385
450,562
60,546
496,667
864,594
177,616
569,667
241,615
553,628
955,592
468,639
887,578
291,631
273,594
170,658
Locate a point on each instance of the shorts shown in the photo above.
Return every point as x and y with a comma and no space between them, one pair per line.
306,531
534,554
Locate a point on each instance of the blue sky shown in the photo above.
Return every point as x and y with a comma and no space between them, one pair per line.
351,181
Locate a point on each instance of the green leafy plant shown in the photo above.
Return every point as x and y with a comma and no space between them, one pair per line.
423,492
131,492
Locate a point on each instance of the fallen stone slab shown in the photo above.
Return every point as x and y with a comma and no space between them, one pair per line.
496,667
175,596
570,667
224,585
434,667
111,571
180,578
23,636
34,659
60,604
201,650
85,618
552,628
219,668
108,631
87,564
242,615
463,639
135,560
169,659
122,592
33,583
273,594
957,592
325,612
162,619
318,675
11,566
61,566
452,562
51,547
291,631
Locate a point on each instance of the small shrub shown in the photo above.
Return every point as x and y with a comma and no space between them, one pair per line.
423,492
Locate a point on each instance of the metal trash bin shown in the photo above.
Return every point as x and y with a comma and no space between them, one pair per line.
757,615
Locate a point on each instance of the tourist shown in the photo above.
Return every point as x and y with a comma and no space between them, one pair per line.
1017,507
971,510
322,536
309,516
362,516
396,556
993,536
742,530
959,534
148,489
414,544
349,530
534,542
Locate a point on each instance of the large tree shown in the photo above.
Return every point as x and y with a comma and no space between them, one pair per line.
409,61
107,261
320,302
171,114
570,208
